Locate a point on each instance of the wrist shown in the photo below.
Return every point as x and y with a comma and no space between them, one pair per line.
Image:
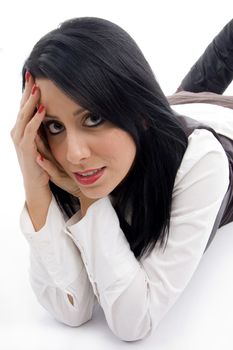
38,194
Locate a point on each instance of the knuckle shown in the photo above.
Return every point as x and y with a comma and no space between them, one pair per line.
12,132
14,137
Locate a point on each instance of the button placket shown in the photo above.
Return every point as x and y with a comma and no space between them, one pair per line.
96,292
85,262
84,259
67,232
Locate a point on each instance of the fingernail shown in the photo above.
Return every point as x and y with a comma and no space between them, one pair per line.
27,76
41,108
34,89
41,158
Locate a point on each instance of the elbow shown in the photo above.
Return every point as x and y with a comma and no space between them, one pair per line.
72,315
132,336
75,322
77,315
129,332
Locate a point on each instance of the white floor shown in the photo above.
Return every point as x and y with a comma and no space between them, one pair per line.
201,319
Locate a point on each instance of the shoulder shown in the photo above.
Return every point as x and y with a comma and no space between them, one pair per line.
204,161
217,117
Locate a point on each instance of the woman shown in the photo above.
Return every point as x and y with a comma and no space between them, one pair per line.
122,194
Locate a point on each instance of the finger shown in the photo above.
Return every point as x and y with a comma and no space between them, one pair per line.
59,178
32,128
31,103
43,148
43,135
27,113
29,82
54,173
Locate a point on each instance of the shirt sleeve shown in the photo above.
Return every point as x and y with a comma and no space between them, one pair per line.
56,268
135,295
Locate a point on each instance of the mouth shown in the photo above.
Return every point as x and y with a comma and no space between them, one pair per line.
89,176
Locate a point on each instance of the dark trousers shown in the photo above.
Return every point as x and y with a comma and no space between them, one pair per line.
213,71
205,83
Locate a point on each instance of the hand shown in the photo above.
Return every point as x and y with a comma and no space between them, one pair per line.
58,175
61,179
24,134
31,146
36,161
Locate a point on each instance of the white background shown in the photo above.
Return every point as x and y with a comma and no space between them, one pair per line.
172,35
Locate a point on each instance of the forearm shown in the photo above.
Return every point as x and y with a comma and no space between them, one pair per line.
113,270
37,206
57,272
54,297
38,210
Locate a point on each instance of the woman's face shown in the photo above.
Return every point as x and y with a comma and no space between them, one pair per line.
81,142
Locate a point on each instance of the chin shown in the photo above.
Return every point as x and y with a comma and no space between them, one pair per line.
97,193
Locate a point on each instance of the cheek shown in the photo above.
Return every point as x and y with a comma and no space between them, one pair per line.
121,147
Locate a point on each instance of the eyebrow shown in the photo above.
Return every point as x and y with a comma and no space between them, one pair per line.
75,113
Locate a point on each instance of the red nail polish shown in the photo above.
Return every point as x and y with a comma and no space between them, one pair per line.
41,158
27,76
34,89
41,108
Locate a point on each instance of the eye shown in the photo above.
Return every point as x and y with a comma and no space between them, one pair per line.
94,120
53,127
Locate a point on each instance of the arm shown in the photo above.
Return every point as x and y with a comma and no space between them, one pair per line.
135,295
37,206
57,274
213,71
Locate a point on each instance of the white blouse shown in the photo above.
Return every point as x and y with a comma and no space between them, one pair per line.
91,260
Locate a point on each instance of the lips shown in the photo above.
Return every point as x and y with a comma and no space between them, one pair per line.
87,171
89,179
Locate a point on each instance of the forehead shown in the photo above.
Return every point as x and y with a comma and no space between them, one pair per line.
55,100
49,91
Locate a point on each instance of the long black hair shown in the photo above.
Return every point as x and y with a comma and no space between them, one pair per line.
100,67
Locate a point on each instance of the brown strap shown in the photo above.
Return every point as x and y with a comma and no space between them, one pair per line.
184,97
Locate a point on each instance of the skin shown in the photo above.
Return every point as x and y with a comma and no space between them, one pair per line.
81,144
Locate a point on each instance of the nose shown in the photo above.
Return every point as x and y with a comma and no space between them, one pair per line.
77,149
